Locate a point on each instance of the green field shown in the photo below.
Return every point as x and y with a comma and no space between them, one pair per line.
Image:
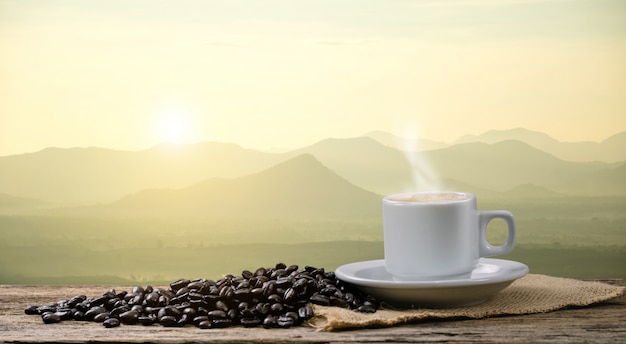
581,238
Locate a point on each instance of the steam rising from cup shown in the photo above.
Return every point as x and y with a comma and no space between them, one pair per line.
424,176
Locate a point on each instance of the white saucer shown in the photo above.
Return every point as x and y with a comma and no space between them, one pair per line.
487,279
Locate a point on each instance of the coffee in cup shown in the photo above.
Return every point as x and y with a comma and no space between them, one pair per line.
438,235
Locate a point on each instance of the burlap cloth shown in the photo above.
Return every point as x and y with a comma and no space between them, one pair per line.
531,294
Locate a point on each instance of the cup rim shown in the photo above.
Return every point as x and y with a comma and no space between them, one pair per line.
404,198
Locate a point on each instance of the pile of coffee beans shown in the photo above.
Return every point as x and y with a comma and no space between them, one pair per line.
277,297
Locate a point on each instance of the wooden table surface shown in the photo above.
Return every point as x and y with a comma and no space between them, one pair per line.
602,323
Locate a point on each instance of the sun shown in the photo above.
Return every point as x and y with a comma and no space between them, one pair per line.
173,125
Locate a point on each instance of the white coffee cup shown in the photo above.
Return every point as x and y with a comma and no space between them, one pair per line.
438,235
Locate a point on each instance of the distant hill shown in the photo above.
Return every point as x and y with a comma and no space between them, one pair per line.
504,165
86,176
364,162
613,149
74,176
10,203
487,168
533,138
606,182
404,144
300,188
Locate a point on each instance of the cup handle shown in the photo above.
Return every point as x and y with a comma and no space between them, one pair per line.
486,249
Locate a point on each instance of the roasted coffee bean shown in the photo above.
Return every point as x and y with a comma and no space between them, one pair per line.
220,323
242,306
83,306
111,293
369,302
233,315
218,314
247,274
50,318
305,312
64,313
111,322
119,303
290,295
260,272
76,300
200,318
320,299
256,292
171,310
269,287
78,315
145,320
271,297
183,320
168,321
136,300
277,308
366,309
250,322
285,321
164,300
249,311
129,317
299,284
274,298
337,302
92,312
270,321
182,292
194,295
152,299
99,301
189,311
263,308
31,310
101,317
293,315
150,310
243,294
121,295
46,309
283,282
178,284
195,285
206,324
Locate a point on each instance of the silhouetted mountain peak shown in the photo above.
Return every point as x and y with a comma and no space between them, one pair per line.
619,138
520,134
347,142
300,187
301,163
403,143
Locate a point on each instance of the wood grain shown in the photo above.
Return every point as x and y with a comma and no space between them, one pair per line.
602,323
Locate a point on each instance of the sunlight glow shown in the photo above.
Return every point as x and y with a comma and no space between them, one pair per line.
173,125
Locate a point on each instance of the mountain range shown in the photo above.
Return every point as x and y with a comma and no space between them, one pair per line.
360,168
299,188
71,176
612,149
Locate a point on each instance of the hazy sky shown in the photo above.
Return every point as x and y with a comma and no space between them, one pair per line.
127,74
